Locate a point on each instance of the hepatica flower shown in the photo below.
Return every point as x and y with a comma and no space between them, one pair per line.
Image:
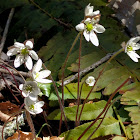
24,54
33,107
90,80
131,48
38,75
89,11
30,89
90,26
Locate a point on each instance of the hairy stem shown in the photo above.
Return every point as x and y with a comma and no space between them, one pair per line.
101,72
111,97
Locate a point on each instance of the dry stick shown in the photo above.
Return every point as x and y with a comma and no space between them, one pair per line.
30,122
91,67
9,88
10,73
78,88
101,72
59,100
6,29
63,70
16,72
25,74
68,25
111,97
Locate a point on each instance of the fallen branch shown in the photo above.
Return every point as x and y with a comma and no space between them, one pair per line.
6,29
25,74
91,67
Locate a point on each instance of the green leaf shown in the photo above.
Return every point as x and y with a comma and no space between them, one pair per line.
90,111
110,88
109,126
130,94
119,138
110,76
45,88
72,89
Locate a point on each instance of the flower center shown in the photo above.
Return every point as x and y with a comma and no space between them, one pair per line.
129,48
24,51
29,88
37,75
89,27
32,107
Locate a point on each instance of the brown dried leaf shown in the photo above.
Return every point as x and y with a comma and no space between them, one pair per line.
5,117
53,138
23,136
8,108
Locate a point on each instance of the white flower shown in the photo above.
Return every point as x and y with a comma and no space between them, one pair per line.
131,48
89,11
24,54
90,80
33,107
30,89
38,75
89,27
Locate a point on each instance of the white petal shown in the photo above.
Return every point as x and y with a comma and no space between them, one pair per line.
80,27
134,39
13,51
136,47
21,86
29,44
38,111
19,60
99,28
25,94
88,20
95,13
88,10
39,104
86,35
33,97
37,67
33,54
43,80
94,39
44,73
134,56
28,62
19,45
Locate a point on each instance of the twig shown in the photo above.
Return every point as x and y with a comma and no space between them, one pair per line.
25,74
91,67
68,25
6,29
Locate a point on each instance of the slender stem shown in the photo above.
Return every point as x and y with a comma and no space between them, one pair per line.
111,97
101,72
63,71
64,66
103,117
120,121
48,126
78,88
59,100
30,122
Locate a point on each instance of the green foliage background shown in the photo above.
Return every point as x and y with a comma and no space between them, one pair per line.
53,40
